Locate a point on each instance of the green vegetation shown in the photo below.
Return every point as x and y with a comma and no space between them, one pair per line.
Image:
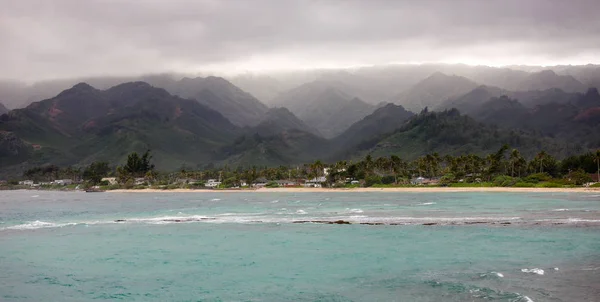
503,168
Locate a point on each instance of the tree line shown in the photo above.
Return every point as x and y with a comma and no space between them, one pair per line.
504,167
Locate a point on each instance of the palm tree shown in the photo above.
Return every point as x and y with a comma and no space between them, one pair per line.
540,157
515,157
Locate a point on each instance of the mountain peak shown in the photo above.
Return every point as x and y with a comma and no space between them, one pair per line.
77,89
83,86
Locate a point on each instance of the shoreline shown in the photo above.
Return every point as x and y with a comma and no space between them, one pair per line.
369,190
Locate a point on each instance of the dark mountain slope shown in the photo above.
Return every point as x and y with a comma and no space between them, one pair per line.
285,148
449,132
384,120
83,124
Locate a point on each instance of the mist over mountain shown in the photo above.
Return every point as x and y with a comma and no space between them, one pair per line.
324,106
433,90
317,114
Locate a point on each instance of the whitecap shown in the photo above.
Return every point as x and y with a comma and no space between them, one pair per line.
35,196
522,299
560,210
215,199
556,268
537,271
356,211
426,203
38,225
493,274
301,212
275,201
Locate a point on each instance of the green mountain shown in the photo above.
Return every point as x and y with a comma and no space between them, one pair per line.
449,132
324,107
284,148
576,121
381,122
83,124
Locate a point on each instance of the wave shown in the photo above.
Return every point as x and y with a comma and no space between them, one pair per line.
354,210
537,271
426,203
38,225
492,274
215,199
560,210
283,215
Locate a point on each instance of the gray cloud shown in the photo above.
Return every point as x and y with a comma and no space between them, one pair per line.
65,38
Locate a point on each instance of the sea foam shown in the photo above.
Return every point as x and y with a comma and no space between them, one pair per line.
38,225
537,271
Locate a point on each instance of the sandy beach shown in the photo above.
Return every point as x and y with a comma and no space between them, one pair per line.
363,190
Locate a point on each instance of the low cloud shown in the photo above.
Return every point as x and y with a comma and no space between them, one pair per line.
68,38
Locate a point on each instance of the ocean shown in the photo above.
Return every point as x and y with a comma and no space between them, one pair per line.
340,246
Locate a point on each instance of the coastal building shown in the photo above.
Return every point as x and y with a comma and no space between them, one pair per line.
110,180
212,183
424,181
26,182
417,181
316,182
63,182
260,182
139,181
286,183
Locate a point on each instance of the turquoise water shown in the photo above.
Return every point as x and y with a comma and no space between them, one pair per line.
58,246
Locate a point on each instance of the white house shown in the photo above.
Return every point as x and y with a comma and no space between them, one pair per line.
63,182
316,182
26,182
212,183
286,183
110,180
417,181
140,181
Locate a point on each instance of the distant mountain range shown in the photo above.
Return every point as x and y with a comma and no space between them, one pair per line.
209,121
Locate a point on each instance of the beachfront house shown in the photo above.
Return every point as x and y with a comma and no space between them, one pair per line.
63,182
417,181
260,182
110,180
286,183
212,183
316,182
140,181
424,181
26,182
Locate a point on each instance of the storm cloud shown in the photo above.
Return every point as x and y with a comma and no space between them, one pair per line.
68,38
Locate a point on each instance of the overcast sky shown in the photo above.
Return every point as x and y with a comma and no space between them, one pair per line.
43,39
